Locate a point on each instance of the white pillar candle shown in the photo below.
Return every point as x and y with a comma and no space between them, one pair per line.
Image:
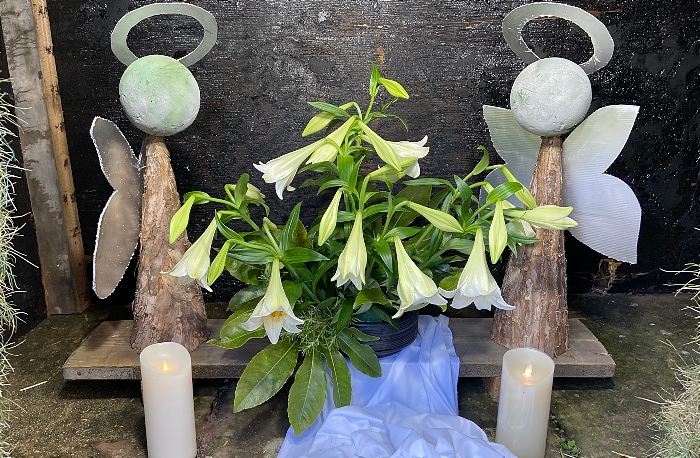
523,409
168,403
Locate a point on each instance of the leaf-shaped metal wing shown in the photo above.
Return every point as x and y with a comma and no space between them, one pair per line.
518,147
606,209
120,222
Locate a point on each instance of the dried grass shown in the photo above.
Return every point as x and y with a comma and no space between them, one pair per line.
9,315
678,423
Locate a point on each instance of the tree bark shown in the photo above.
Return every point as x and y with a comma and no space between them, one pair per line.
164,310
535,280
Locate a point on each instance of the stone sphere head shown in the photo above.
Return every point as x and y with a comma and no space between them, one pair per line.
159,95
550,96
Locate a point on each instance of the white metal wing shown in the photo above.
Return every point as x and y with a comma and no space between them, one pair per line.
120,222
606,209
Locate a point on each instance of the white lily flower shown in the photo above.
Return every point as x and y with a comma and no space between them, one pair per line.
415,288
283,169
415,150
353,260
194,264
274,311
476,284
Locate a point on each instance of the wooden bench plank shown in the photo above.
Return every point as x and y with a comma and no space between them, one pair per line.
107,354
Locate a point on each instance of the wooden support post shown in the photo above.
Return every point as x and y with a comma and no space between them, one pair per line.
164,310
535,280
27,36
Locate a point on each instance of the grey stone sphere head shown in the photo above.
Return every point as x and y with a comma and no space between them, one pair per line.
159,95
550,96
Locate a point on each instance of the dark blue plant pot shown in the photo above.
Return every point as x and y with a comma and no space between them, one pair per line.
391,340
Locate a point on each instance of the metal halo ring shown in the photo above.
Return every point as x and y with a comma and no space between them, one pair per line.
129,20
514,22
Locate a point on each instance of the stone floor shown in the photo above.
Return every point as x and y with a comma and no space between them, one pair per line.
646,336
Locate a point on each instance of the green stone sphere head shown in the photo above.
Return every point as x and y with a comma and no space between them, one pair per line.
159,95
551,96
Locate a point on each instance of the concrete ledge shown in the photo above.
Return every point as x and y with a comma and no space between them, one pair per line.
106,354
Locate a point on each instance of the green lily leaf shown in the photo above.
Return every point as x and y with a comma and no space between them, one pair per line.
265,374
402,232
361,356
503,191
233,335
344,315
334,183
300,238
417,194
250,255
381,247
293,290
250,295
321,270
329,108
244,272
308,393
462,245
374,209
289,228
450,283
483,163
370,296
301,255
361,336
241,189
340,377
427,182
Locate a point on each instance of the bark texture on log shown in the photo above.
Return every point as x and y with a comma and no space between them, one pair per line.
535,280
164,310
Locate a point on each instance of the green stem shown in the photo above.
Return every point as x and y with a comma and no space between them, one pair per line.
296,275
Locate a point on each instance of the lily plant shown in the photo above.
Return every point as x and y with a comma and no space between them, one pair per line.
387,243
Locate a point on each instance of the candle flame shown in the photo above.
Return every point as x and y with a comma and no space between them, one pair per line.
528,371
166,367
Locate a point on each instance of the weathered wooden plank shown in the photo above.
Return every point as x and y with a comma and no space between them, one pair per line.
54,109
107,354
65,284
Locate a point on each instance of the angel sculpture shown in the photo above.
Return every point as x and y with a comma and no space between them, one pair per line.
161,98
549,98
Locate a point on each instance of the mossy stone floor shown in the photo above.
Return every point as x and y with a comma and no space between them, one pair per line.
645,334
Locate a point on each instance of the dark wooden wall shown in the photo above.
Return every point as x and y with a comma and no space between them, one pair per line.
274,55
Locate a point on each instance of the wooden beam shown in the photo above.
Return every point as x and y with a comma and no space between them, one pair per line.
106,354
45,155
